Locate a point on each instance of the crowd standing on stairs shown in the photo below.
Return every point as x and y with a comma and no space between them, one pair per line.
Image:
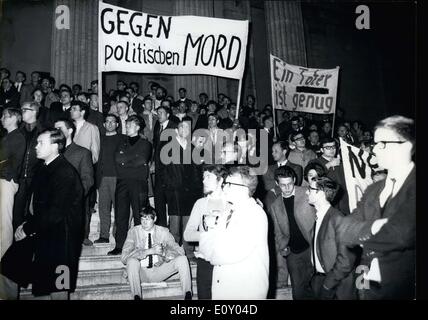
247,230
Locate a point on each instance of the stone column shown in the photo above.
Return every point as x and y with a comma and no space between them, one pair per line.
285,31
195,84
74,51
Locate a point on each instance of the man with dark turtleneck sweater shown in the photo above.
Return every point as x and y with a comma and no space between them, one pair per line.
30,129
132,164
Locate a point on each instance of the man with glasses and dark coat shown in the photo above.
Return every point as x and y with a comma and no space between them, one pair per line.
384,222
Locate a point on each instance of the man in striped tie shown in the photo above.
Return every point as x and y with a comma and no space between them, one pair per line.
151,254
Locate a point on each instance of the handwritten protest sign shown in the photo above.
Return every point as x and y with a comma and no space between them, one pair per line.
133,41
358,166
303,89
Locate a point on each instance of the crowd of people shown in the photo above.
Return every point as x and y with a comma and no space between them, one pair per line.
63,154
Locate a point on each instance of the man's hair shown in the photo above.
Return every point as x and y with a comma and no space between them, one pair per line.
184,89
319,169
154,85
329,186
402,126
294,134
23,74
134,83
148,211
94,82
77,85
212,102
284,172
64,86
126,103
111,115
34,72
137,120
250,180
6,71
32,104
327,140
266,118
69,125
218,170
56,136
316,131
12,111
166,109
203,94
252,96
167,101
215,115
83,107
65,90
295,118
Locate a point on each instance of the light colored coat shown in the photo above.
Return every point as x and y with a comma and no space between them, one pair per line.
89,137
239,253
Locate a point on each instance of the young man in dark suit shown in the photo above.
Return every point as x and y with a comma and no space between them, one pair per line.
132,158
384,222
162,196
81,159
293,221
333,261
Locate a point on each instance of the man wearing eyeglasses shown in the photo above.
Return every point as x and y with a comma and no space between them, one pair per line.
237,246
384,222
293,220
333,262
300,154
333,165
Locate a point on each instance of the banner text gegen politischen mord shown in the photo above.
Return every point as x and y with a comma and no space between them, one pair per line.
133,41
303,89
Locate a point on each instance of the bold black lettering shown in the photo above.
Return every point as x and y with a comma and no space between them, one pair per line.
193,44
203,50
228,67
107,56
131,22
219,50
110,23
166,28
121,53
353,160
275,63
148,25
149,54
120,22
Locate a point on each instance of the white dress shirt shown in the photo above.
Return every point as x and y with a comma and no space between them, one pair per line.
320,214
145,262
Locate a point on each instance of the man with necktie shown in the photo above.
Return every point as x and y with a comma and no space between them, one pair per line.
384,222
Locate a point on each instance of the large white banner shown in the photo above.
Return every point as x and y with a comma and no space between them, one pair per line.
133,41
302,89
358,166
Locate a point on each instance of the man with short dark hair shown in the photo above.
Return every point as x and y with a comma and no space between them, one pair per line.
333,261
61,108
151,255
132,158
293,221
81,159
161,178
9,96
300,154
384,222
334,170
87,135
107,175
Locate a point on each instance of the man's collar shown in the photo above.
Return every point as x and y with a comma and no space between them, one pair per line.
321,212
47,163
283,163
292,195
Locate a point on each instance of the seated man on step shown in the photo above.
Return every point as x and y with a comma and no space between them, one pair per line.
151,254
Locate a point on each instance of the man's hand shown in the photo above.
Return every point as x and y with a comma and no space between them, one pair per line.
19,233
378,224
157,249
326,293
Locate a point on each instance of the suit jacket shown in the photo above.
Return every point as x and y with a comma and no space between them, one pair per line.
304,214
137,105
157,145
149,131
80,158
395,244
11,96
57,112
136,239
335,257
89,138
57,225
